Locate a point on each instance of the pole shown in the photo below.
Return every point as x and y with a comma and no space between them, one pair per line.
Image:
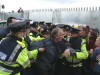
52,16
0,11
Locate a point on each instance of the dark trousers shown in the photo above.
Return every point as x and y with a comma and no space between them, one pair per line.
32,70
95,73
86,69
60,68
44,72
74,71
27,71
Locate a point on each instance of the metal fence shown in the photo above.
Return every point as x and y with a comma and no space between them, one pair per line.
82,15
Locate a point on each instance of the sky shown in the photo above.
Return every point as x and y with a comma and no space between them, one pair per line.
46,4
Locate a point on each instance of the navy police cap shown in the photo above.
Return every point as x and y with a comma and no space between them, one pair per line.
74,30
27,24
17,26
34,24
67,28
60,25
45,31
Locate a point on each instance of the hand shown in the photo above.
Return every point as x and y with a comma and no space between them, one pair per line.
32,61
91,51
41,49
67,53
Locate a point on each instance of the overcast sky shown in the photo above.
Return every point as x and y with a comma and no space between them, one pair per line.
40,4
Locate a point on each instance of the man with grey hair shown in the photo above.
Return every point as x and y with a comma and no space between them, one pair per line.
54,47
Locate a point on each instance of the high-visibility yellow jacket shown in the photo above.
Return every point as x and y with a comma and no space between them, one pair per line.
82,54
33,39
13,53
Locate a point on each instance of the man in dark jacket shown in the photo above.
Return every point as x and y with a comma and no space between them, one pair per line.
54,47
6,31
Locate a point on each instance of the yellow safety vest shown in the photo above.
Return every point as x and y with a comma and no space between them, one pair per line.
33,39
22,59
79,55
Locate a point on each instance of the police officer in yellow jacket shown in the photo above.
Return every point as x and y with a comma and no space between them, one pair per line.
75,62
28,39
14,55
34,29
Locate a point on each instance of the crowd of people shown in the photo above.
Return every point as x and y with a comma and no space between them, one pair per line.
39,48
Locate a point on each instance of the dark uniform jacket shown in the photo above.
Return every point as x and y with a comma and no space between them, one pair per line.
7,47
76,43
4,32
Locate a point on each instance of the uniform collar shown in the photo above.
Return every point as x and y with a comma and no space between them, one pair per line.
15,37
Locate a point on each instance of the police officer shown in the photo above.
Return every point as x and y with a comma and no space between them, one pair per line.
86,63
34,29
67,29
28,39
14,55
49,24
27,35
45,33
75,62
41,24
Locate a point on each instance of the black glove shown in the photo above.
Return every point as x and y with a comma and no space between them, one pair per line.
72,51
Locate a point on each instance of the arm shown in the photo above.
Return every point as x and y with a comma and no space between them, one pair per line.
33,54
93,56
35,39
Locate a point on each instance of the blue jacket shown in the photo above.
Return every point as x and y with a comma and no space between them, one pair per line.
93,58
